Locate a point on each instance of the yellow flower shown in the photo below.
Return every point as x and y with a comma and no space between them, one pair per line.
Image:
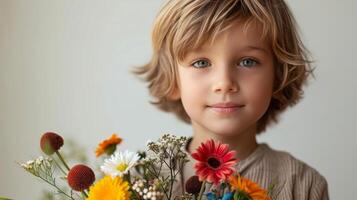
108,145
110,188
248,187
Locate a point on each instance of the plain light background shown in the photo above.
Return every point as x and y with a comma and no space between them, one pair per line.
64,67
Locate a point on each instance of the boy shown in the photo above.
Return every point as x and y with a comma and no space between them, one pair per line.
230,68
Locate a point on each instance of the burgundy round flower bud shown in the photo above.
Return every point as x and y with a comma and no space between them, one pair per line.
80,177
51,142
193,185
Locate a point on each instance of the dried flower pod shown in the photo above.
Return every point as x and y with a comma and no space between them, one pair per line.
193,185
51,142
80,177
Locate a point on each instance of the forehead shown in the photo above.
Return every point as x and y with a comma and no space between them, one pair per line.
238,36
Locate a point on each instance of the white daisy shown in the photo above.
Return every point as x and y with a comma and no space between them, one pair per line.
119,163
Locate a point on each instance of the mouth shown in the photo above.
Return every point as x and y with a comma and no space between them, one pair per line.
226,108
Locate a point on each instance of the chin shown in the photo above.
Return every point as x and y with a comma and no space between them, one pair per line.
228,131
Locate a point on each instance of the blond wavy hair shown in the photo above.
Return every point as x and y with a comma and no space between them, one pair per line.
183,25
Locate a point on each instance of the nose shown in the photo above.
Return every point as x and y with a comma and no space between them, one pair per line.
225,81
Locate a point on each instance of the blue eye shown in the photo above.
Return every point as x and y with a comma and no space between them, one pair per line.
200,64
248,62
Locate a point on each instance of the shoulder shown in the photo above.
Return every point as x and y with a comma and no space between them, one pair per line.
291,166
295,176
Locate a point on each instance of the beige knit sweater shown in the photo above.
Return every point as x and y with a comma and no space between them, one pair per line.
294,179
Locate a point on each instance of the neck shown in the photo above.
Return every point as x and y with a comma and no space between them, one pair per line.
243,143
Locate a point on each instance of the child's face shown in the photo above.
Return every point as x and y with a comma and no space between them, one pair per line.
237,69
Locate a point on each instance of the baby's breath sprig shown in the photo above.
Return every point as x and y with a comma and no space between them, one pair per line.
187,196
168,152
44,168
150,190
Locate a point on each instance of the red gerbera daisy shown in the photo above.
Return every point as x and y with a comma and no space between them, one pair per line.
215,161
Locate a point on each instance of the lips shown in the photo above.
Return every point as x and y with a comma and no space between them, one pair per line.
226,105
226,108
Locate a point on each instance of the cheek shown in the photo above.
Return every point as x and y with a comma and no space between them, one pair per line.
189,89
191,93
192,85
191,101
259,92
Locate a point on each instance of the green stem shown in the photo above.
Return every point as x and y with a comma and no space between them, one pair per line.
129,177
54,185
84,194
153,172
202,189
59,166
62,160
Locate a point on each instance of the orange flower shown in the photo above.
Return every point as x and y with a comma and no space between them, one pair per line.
108,146
248,187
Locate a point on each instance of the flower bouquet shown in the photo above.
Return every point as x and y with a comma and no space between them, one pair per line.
149,174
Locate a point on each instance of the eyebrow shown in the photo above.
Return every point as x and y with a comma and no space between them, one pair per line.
256,48
245,48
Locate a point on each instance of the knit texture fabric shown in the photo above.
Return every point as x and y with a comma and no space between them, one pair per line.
293,179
